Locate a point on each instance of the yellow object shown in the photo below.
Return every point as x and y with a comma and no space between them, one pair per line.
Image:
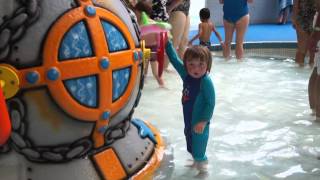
2,83
146,52
9,81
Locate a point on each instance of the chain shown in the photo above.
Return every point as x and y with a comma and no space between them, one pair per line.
62,153
12,29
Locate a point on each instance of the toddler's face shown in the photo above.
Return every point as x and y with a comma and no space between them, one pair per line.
196,68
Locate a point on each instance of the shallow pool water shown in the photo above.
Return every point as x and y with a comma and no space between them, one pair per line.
261,128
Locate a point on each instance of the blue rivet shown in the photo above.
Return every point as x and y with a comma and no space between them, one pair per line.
103,129
53,74
104,63
32,77
136,56
141,54
105,115
90,10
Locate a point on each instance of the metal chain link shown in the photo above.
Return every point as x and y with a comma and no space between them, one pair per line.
12,29
62,153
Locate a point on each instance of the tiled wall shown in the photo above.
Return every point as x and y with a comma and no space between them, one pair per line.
261,11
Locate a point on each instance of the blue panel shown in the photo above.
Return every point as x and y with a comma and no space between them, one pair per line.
115,38
75,43
120,80
83,90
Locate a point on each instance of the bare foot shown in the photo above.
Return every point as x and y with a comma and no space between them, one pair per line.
191,164
169,71
227,58
160,82
202,175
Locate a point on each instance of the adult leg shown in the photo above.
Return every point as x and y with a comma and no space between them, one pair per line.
302,37
154,69
184,39
317,94
285,15
177,19
311,58
145,70
228,31
317,90
280,18
241,28
312,90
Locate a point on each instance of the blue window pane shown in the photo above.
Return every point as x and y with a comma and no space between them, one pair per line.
83,90
115,38
76,43
120,80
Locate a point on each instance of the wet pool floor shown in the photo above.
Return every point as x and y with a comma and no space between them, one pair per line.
261,128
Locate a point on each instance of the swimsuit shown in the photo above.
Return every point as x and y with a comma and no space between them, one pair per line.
159,10
305,15
207,44
198,102
234,10
184,7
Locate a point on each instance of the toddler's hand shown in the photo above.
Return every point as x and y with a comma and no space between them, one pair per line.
199,127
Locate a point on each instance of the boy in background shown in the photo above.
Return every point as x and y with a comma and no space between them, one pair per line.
205,29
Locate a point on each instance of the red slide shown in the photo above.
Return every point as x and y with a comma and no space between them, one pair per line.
5,124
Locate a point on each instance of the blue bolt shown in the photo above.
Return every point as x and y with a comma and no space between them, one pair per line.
136,56
104,63
90,10
103,129
32,77
105,115
53,74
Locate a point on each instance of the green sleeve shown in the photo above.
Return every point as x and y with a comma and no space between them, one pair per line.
209,99
175,60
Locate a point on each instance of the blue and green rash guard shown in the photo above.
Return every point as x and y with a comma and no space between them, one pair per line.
233,10
198,100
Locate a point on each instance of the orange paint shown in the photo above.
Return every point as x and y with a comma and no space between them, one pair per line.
109,165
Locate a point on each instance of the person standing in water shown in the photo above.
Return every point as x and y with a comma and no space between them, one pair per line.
235,19
205,29
198,100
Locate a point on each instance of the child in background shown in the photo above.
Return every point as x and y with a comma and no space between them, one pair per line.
198,100
157,10
205,29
